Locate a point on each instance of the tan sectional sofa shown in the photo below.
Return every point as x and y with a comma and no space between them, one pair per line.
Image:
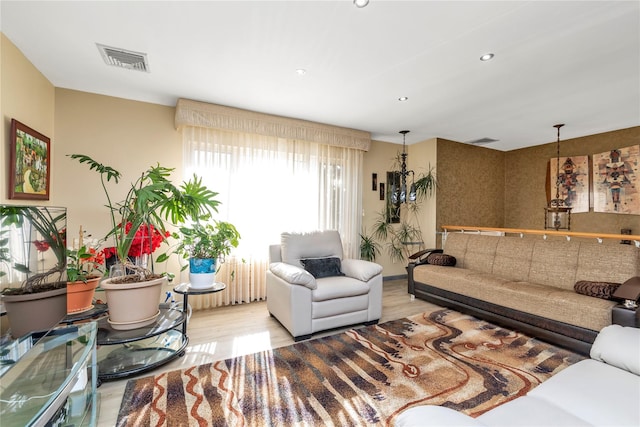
528,283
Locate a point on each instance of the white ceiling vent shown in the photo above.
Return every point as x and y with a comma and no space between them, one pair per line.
482,141
124,58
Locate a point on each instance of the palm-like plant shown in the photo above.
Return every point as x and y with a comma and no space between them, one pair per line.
151,202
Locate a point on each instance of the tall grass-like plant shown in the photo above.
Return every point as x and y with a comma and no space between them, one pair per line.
151,203
369,248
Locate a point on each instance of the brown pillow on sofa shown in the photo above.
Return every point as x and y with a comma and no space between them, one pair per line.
602,290
441,259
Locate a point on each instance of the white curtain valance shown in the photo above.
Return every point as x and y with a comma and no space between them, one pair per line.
202,114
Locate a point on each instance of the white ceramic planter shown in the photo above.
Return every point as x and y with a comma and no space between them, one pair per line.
202,280
133,305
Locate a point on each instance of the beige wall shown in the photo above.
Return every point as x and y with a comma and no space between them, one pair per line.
127,135
470,185
27,96
380,159
526,171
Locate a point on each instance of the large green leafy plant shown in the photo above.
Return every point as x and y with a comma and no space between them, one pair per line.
151,203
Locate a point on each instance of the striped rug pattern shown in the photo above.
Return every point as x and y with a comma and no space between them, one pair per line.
364,376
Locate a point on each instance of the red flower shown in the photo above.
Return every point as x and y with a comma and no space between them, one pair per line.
41,245
145,241
109,252
97,257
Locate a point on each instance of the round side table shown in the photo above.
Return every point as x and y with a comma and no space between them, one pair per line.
185,290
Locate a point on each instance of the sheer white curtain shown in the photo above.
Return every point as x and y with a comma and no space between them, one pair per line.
268,185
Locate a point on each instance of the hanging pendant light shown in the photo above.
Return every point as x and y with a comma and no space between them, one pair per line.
557,213
399,193
413,195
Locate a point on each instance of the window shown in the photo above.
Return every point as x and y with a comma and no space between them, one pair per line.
268,185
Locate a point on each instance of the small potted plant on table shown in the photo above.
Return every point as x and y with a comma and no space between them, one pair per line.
205,244
85,268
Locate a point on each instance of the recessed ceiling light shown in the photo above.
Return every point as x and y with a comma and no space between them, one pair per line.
361,3
487,57
403,98
301,71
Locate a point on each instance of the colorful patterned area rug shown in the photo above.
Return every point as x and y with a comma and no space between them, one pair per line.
364,376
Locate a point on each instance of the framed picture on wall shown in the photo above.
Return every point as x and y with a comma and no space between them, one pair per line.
572,180
616,181
29,163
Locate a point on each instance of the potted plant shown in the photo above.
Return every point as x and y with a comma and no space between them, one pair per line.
401,237
206,245
369,248
85,268
33,253
151,203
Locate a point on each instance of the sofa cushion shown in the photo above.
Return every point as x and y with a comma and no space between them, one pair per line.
480,254
604,262
338,287
322,267
527,411
360,269
292,274
441,259
513,258
600,394
554,263
456,245
315,244
602,290
618,346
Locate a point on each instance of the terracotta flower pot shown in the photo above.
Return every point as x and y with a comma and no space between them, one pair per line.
80,295
133,305
40,311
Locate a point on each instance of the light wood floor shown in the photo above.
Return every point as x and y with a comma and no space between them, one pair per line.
236,330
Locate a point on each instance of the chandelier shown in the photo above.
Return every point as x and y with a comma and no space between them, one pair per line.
557,213
399,192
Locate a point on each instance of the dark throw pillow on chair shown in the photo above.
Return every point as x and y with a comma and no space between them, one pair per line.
441,259
322,267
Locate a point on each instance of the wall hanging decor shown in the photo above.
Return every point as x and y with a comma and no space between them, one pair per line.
29,163
573,181
616,181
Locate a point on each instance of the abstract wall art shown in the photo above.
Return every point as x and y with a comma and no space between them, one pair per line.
616,181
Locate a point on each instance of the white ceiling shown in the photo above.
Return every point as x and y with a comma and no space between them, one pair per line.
575,62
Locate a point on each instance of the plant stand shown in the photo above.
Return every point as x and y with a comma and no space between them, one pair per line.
122,353
185,290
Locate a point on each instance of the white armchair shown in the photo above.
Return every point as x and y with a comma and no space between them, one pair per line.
311,288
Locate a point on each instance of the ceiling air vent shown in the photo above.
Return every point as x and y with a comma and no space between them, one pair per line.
124,58
482,141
